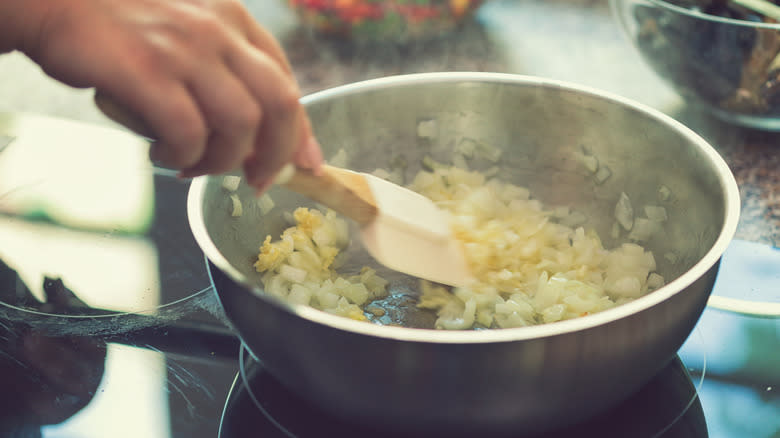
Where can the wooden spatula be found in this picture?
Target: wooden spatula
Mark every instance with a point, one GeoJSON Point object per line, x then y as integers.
{"type": "Point", "coordinates": [401, 229]}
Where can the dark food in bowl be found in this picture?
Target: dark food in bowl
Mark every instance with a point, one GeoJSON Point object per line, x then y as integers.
{"type": "Point", "coordinates": [719, 54]}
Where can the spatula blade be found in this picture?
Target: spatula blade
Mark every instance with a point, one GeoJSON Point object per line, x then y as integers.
{"type": "Point", "coordinates": [412, 235]}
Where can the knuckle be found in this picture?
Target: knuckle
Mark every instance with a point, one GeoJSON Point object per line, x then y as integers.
{"type": "Point", "coordinates": [288, 100]}
{"type": "Point", "coordinates": [248, 117]}
{"type": "Point", "coordinates": [235, 10]}
{"type": "Point", "coordinates": [206, 23]}
{"type": "Point", "coordinates": [241, 124]}
{"type": "Point", "coordinates": [186, 146]}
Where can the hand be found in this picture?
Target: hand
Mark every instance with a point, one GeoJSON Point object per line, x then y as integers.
{"type": "Point", "coordinates": [211, 84]}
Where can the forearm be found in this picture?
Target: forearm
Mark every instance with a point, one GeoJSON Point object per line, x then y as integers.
{"type": "Point", "coordinates": [21, 22]}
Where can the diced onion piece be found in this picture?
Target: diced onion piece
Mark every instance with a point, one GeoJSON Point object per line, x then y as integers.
{"type": "Point", "coordinates": [574, 219]}
{"type": "Point", "coordinates": [299, 294]}
{"type": "Point", "coordinates": [643, 229]}
{"type": "Point", "coordinates": [231, 182]}
{"type": "Point", "coordinates": [671, 257]}
{"type": "Point", "coordinates": [291, 274]}
{"type": "Point", "coordinates": [460, 322]}
{"type": "Point", "coordinates": [654, 281]}
{"type": "Point", "coordinates": [431, 164]}
{"type": "Point", "coordinates": [357, 293]}
{"type": "Point", "coordinates": [266, 203]}
{"type": "Point", "coordinates": [664, 193]}
{"type": "Point", "coordinates": [237, 209]}
{"type": "Point", "coordinates": [590, 162]}
{"type": "Point", "coordinates": [460, 162]}
{"type": "Point", "coordinates": [427, 129]}
{"type": "Point", "coordinates": [466, 147]}
{"type": "Point", "coordinates": [553, 313]}
{"type": "Point", "coordinates": [624, 212]}
{"type": "Point", "coordinates": [602, 174]}
{"type": "Point", "coordinates": [656, 213]}
{"type": "Point", "coordinates": [489, 152]}
{"type": "Point", "coordinates": [327, 299]}
{"type": "Point", "coordinates": [625, 287]}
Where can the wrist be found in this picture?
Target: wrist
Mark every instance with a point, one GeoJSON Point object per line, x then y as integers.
{"type": "Point", "coordinates": [23, 23]}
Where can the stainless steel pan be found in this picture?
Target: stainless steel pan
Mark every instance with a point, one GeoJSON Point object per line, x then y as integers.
{"type": "Point", "coordinates": [417, 380]}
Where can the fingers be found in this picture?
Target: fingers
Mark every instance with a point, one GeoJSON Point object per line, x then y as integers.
{"type": "Point", "coordinates": [170, 112]}
{"type": "Point", "coordinates": [213, 103]}
{"type": "Point", "coordinates": [233, 116]}
{"type": "Point", "coordinates": [255, 34]}
{"type": "Point", "coordinates": [284, 129]}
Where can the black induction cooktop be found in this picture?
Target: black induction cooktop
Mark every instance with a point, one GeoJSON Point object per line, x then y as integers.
{"type": "Point", "coordinates": [112, 329]}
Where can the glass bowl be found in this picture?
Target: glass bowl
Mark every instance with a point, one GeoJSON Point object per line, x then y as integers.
{"type": "Point", "coordinates": [725, 61]}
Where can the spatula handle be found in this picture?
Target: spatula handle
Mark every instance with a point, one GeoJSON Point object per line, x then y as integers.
{"type": "Point", "coordinates": [342, 190]}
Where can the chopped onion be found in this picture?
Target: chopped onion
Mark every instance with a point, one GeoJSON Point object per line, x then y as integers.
{"type": "Point", "coordinates": [656, 213]}
{"type": "Point", "coordinates": [488, 152]}
{"type": "Point", "coordinates": [624, 212]}
{"type": "Point", "coordinates": [427, 129]}
{"type": "Point", "coordinates": [431, 164]}
{"type": "Point", "coordinates": [231, 182]}
{"type": "Point", "coordinates": [460, 162]}
{"type": "Point", "coordinates": [643, 229]}
{"type": "Point", "coordinates": [266, 203]}
{"type": "Point", "coordinates": [291, 274]}
{"type": "Point", "coordinates": [664, 193]}
{"type": "Point", "coordinates": [574, 219]}
{"type": "Point", "coordinates": [590, 162]}
{"type": "Point", "coordinates": [237, 209]}
{"type": "Point", "coordinates": [602, 174]}
{"type": "Point", "coordinates": [530, 263]}
{"type": "Point", "coordinates": [654, 281]}
{"type": "Point", "coordinates": [299, 294]}
{"type": "Point", "coordinates": [466, 147]}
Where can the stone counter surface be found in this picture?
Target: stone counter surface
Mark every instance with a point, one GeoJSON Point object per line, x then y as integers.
{"type": "Point", "coordinates": [571, 40]}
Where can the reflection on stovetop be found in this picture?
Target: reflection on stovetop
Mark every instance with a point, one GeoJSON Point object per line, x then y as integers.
{"type": "Point", "coordinates": [168, 374]}
{"type": "Point", "coordinates": [63, 270]}
{"type": "Point", "coordinates": [83, 386]}
{"type": "Point", "coordinates": [258, 405]}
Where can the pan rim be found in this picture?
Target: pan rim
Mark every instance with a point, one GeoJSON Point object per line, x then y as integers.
{"type": "Point", "coordinates": [728, 187]}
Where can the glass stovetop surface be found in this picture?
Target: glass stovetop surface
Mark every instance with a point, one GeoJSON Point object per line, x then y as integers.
{"type": "Point", "coordinates": [112, 329]}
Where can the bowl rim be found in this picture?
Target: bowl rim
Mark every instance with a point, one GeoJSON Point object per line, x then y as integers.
{"type": "Point", "coordinates": [709, 17]}
{"type": "Point", "coordinates": [727, 181]}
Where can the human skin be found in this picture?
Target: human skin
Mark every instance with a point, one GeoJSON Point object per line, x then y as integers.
{"type": "Point", "coordinates": [213, 86]}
